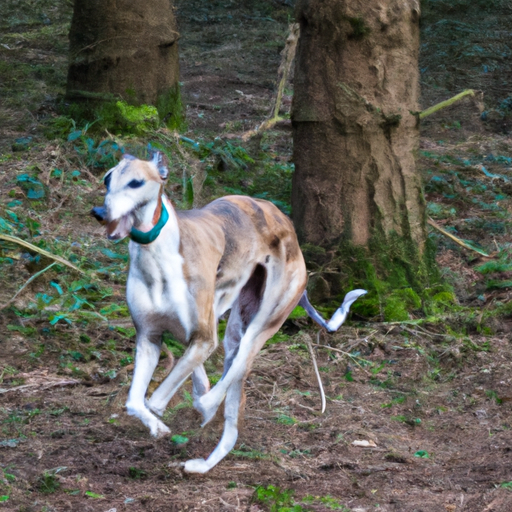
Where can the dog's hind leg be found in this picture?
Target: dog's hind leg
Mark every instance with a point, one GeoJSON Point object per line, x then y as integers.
{"type": "Point", "coordinates": [146, 359]}
{"type": "Point", "coordinates": [229, 435]}
{"type": "Point", "coordinates": [231, 412]}
{"type": "Point", "coordinates": [237, 368]}
{"type": "Point", "coordinates": [262, 322]}
{"type": "Point", "coordinates": [239, 332]}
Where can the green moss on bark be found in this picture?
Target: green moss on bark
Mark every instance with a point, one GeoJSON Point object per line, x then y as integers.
{"type": "Point", "coordinates": [170, 108]}
{"type": "Point", "coordinates": [110, 112]}
{"type": "Point", "coordinates": [359, 27]}
{"type": "Point", "coordinates": [401, 283]}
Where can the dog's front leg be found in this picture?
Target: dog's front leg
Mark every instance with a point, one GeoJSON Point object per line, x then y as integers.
{"type": "Point", "coordinates": [194, 357]}
{"type": "Point", "coordinates": [200, 382]}
{"type": "Point", "coordinates": [146, 360]}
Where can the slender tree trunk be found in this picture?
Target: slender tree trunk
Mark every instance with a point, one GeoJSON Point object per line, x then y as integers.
{"type": "Point", "coordinates": [354, 124]}
{"type": "Point", "coordinates": [124, 49]}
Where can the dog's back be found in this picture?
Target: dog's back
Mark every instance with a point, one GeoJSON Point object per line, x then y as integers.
{"type": "Point", "coordinates": [233, 234]}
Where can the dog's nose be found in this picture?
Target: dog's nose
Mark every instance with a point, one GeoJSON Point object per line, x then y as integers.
{"type": "Point", "coordinates": [99, 213]}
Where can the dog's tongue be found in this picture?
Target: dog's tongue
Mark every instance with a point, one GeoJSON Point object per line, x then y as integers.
{"type": "Point", "coordinates": [120, 228]}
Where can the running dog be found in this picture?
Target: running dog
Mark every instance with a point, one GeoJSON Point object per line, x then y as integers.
{"type": "Point", "coordinates": [187, 268]}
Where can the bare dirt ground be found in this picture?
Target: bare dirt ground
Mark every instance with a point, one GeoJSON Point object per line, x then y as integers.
{"type": "Point", "coordinates": [406, 409]}
{"type": "Point", "coordinates": [431, 402]}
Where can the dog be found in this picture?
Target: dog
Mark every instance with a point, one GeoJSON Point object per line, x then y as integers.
{"type": "Point", "coordinates": [188, 268]}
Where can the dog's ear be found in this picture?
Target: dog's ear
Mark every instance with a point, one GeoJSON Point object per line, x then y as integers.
{"type": "Point", "coordinates": [160, 161]}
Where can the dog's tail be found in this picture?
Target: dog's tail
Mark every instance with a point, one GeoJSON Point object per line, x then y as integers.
{"type": "Point", "coordinates": [340, 314]}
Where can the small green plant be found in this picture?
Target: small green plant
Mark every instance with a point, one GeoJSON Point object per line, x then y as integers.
{"type": "Point", "coordinates": [328, 501]}
{"type": "Point", "coordinates": [283, 419]}
{"type": "Point", "coordinates": [176, 347]}
{"type": "Point", "coordinates": [297, 453]}
{"type": "Point", "coordinates": [7, 370]}
{"type": "Point", "coordinates": [48, 482]}
{"type": "Point", "coordinates": [136, 473]}
{"type": "Point", "coordinates": [279, 337]}
{"type": "Point", "coordinates": [94, 495]}
{"type": "Point", "coordinates": [140, 119]}
{"type": "Point", "coordinates": [276, 499]}
{"type": "Point", "coordinates": [101, 154]}
{"type": "Point", "coordinates": [249, 453]}
{"type": "Point", "coordinates": [6, 478]}
{"type": "Point", "coordinates": [187, 403]}
{"type": "Point", "coordinates": [395, 401]}
{"type": "Point", "coordinates": [179, 440]}
{"type": "Point", "coordinates": [492, 395]}
{"type": "Point", "coordinates": [413, 422]}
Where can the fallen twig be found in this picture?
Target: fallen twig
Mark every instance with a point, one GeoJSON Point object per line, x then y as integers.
{"type": "Point", "coordinates": [456, 239]}
{"type": "Point", "coordinates": [446, 103]}
{"type": "Point", "coordinates": [420, 330]}
{"type": "Point", "coordinates": [317, 373]}
{"type": "Point", "coordinates": [327, 347]}
{"type": "Point", "coordinates": [32, 247]}
{"type": "Point", "coordinates": [69, 382]}
{"type": "Point", "coordinates": [35, 276]}
{"type": "Point", "coordinates": [361, 340]}
{"type": "Point", "coordinates": [282, 74]}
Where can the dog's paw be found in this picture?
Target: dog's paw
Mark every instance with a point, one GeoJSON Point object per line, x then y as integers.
{"type": "Point", "coordinates": [196, 466]}
{"type": "Point", "coordinates": [159, 429]}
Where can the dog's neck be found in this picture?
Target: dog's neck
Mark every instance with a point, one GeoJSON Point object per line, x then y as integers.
{"type": "Point", "coordinates": [149, 216]}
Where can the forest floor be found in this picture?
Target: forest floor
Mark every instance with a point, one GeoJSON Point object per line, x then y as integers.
{"type": "Point", "coordinates": [419, 412]}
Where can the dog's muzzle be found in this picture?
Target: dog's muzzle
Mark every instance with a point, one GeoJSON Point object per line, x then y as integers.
{"type": "Point", "coordinates": [99, 213]}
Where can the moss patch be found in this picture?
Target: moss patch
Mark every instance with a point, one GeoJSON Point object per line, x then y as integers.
{"type": "Point", "coordinates": [359, 27]}
{"type": "Point", "coordinates": [401, 283]}
{"type": "Point", "coordinates": [115, 115]}
{"type": "Point", "coordinates": [125, 117]}
{"type": "Point", "coordinates": [170, 108]}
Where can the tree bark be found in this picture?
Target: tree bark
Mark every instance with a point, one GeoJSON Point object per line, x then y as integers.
{"type": "Point", "coordinates": [123, 49]}
{"type": "Point", "coordinates": [355, 123]}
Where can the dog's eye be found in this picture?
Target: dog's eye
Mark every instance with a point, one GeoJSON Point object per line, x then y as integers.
{"type": "Point", "coordinates": [136, 183]}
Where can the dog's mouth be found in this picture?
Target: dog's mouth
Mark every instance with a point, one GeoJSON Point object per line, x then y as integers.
{"type": "Point", "coordinates": [120, 228]}
{"type": "Point", "coordinates": [116, 229]}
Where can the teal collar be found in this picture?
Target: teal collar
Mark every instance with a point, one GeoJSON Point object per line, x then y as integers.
{"type": "Point", "coordinates": [146, 237]}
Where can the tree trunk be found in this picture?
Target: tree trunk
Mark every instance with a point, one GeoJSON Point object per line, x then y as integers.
{"type": "Point", "coordinates": [356, 192]}
{"type": "Point", "coordinates": [125, 50]}
{"type": "Point", "coordinates": [354, 124]}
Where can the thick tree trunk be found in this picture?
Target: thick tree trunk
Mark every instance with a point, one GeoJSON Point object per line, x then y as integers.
{"type": "Point", "coordinates": [354, 124]}
{"type": "Point", "coordinates": [124, 49]}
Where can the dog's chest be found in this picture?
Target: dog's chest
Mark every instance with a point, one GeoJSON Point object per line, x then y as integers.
{"type": "Point", "coordinates": [157, 290]}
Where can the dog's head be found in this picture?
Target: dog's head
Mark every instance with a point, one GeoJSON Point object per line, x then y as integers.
{"type": "Point", "coordinates": [131, 184]}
